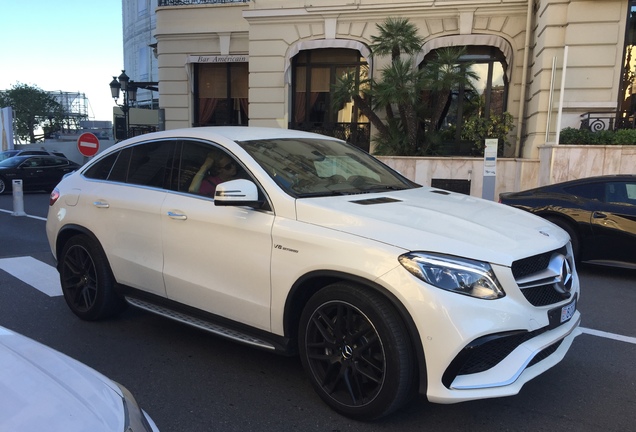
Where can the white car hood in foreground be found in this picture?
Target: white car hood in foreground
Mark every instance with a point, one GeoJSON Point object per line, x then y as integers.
{"type": "Point", "coordinates": [426, 219]}
{"type": "Point", "coordinates": [44, 390]}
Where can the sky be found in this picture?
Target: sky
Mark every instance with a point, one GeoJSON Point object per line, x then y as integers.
{"type": "Point", "coordinates": [67, 45]}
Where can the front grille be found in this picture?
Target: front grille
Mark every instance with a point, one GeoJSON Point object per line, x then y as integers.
{"type": "Point", "coordinates": [527, 266]}
{"type": "Point", "coordinates": [538, 291]}
{"type": "Point", "coordinates": [543, 295]}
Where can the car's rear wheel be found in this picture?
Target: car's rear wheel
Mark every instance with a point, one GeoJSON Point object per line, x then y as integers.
{"type": "Point", "coordinates": [3, 186]}
{"type": "Point", "coordinates": [574, 237]}
{"type": "Point", "coordinates": [87, 281]}
{"type": "Point", "coordinates": [356, 351]}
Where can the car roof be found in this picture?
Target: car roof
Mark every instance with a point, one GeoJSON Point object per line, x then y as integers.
{"type": "Point", "coordinates": [234, 133]}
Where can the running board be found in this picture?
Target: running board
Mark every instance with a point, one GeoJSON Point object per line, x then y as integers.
{"type": "Point", "coordinates": [199, 323]}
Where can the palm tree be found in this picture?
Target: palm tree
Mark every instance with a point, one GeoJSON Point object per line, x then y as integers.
{"type": "Point", "coordinates": [400, 88]}
{"type": "Point", "coordinates": [442, 75]}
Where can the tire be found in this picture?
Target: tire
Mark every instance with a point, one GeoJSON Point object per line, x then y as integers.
{"type": "Point", "coordinates": [3, 186]}
{"type": "Point", "coordinates": [574, 237]}
{"type": "Point", "coordinates": [87, 281]}
{"type": "Point", "coordinates": [356, 352]}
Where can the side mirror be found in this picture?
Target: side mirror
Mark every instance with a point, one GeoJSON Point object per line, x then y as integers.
{"type": "Point", "coordinates": [237, 193]}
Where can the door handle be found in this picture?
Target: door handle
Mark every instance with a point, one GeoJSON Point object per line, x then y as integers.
{"type": "Point", "coordinates": [101, 204]}
{"type": "Point", "coordinates": [599, 215]}
{"type": "Point", "coordinates": [177, 216]}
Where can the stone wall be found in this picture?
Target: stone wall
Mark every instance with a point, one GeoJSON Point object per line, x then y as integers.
{"type": "Point", "coordinates": [556, 163]}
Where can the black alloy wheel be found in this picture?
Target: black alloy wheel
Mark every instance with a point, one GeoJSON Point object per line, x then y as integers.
{"type": "Point", "coordinates": [356, 351]}
{"type": "Point", "coordinates": [87, 281]}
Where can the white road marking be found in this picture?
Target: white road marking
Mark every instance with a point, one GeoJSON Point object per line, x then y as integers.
{"type": "Point", "coordinates": [39, 275]}
{"type": "Point", "coordinates": [33, 217]}
{"type": "Point", "coordinates": [628, 339]}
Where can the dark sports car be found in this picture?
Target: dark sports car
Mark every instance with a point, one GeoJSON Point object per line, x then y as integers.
{"type": "Point", "coordinates": [37, 172]}
{"type": "Point", "coordinates": [599, 213]}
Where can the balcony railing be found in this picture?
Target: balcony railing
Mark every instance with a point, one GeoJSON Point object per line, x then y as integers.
{"type": "Point", "coordinates": [197, 2]}
{"type": "Point", "coordinates": [610, 120]}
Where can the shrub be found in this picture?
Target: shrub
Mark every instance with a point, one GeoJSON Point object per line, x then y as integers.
{"type": "Point", "coordinates": [604, 137]}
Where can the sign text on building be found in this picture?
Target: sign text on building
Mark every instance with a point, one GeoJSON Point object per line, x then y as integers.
{"type": "Point", "coordinates": [219, 59]}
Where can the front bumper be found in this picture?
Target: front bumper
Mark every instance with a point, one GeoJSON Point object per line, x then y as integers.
{"type": "Point", "coordinates": [516, 340]}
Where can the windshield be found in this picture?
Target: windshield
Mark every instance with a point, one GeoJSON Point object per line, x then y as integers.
{"type": "Point", "coordinates": [7, 154]}
{"type": "Point", "coordinates": [316, 167]}
{"type": "Point", "coordinates": [11, 162]}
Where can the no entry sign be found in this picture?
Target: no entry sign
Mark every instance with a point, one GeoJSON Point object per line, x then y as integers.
{"type": "Point", "coordinates": [88, 144]}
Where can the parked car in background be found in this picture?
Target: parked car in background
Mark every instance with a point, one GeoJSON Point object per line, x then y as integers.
{"type": "Point", "coordinates": [11, 153]}
{"type": "Point", "coordinates": [300, 243]}
{"type": "Point", "coordinates": [599, 214]}
{"type": "Point", "coordinates": [45, 390]}
{"type": "Point", "coordinates": [39, 172]}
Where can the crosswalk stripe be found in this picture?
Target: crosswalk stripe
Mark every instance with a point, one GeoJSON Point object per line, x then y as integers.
{"type": "Point", "coordinates": [35, 273]}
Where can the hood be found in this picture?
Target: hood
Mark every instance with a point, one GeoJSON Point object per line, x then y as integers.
{"type": "Point", "coordinates": [42, 389]}
{"type": "Point", "coordinates": [427, 219]}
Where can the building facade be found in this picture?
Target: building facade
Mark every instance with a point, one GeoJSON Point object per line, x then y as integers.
{"type": "Point", "coordinates": [140, 60]}
{"type": "Point", "coordinates": [273, 62]}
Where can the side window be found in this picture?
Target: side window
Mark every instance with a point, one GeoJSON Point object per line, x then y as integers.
{"type": "Point", "coordinates": [148, 164]}
{"type": "Point", "coordinates": [617, 193]}
{"type": "Point", "coordinates": [54, 161]}
{"type": "Point", "coordinates": [33, 162]}
{"type": "Point", "coordinates": [631, 192]}
{"type": "Point", "coordinates": [203, 166]}
{"type": "Point", "coordinates": [593, 191]}
{"type": "Point", "coordinates": [151, 164]}
{"type": "Point", "coordinates": [102, 168]}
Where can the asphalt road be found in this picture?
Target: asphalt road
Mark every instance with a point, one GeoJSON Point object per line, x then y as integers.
{"type": "Point", "coordinates": [188, 380]}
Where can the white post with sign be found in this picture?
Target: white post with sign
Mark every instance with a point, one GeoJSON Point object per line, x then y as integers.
{"type": "Point", "coordinates": [490, 169]}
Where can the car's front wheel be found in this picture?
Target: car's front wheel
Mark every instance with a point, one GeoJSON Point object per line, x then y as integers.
{"type": "Point", "coordinates": [356, 351]}
{"type": "Point", "coordinates": [87, 281]}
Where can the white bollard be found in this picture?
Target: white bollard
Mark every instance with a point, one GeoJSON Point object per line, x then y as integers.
{"type": "Point", "coordinates": [18, 198]}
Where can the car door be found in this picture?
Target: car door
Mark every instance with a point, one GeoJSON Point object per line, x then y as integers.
{"type": "Point", "coordinates": [216, 258]}
{"type": "Point", "coordinates": [34, 173]}
{"type": "Point", "coordinates": [614, 223]}
{"type": "Point", "coordinates": [54, 169]}
{"type": "Point", "coordinates": [122, 207]}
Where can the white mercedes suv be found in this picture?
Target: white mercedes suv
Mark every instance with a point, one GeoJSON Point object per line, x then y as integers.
{"type": "Point", "coordinates": [302, 244]}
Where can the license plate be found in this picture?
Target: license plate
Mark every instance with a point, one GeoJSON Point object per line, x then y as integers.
{"type": "Point", "coordinates": [567, 311]}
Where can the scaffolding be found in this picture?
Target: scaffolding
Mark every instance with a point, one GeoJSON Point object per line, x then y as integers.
{"type": "Point", "coordinates": [74, 108]}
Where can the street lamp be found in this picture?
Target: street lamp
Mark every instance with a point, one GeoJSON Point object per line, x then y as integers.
{"type": "Point", "coordinates": [129, 88]}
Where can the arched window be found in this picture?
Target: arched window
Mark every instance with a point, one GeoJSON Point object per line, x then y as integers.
{"type": "Point", "coordinates": [484, 96]}
{"type": "Point", "coordinates": [314, 73]}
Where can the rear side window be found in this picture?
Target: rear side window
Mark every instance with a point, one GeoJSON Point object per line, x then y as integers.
{"type": "Point", "coordinates": [151, 164]}
{"type": "Point", "coordinates": [593, 191]}
{"type": "Point", "coordinates": [148, 164]}
{"type": "Point", "coordinates": [102, 168]}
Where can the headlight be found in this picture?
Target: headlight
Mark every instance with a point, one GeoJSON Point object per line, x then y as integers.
{"type": "Point", "coordinates": [135, 421]}
{"type": "Point", "coordinates": [459, 275]}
